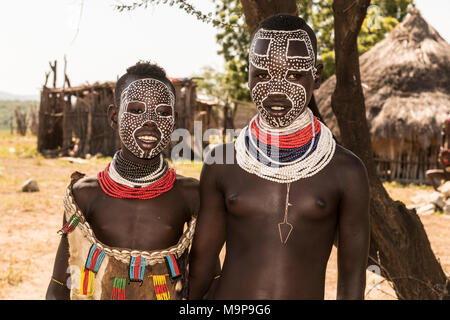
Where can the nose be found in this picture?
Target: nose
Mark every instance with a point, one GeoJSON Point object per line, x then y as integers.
{"type": "Point", "coordinates": [149, 124]}
{"type": "Point", "coordinates": [277, 96]}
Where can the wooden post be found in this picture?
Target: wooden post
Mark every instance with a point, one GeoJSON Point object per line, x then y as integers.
{"type": "Point", "coordinates": [66, 78]}
{"type": "Point", "coordinates": [107, 134]}
{"type": "Point", "coordinates": [87, 143]}
{"type": "Point", "coordinates": [53, 68]}
{"type": "Point", "coordinates": [41, 114]}
{"type": "Point", "coordinates": [187, 107]}
{"type": "Point", "coordinates": [179, 105]}
{"type": "Point", "coordinates": [66, 123]}
{"type": "Point", "coordinates": [192, 104]}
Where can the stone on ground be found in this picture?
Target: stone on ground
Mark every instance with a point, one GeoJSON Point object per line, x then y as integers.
{"type": "Point", "coordinates": [438, 199]}
{"type": "Point", "coordinates": [30, 185]}
{"type": "Point", "coordinates": [445, 189]}
{"type": "Point", "coordinates": [426, 209]}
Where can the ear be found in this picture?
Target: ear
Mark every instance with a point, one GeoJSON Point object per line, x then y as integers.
{"type": "Point", "coordinates": [318, 78]}
{"type": "Point", "coordinates": [175, 117]}
{"type": "Point", "coordinates": [113, 114]}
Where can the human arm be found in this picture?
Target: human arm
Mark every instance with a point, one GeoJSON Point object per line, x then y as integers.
{"type": "Point", "coordinates": [209, 236]}
{"type": "Point", "coordinates": [59, 290]}
{"type": "Point", "coordinates": [353, 230]}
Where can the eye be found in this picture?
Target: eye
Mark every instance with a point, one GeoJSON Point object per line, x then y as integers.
{"type": "Point", "coordinates": [136, 107]}
{"type": "Point", "coordinates": [294, 76]}
{"type": "Point", "coordinates": [164, 111]}
{"type": "Point", "coordinates": [263, 76]}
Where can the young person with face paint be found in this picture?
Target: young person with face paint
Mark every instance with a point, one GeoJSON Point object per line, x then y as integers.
{"type": "Point", "coordinates": [290, 192]}
{"type": "Point", "coordinates": [123, 228]}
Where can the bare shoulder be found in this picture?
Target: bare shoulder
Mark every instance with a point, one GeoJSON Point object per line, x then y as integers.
{"type": "Point", "coordinates": [85, 191]}
{"type": "Point", "coordinates": [349, 168]}
{"type": "Point", "coordinates": [187, 183]}
{"type": "Point", "coordinates": [348, 161]}
{"type": "Point", "coordinates": [219, 155]}
{"type": "Point", "coordinates": [190, 190]}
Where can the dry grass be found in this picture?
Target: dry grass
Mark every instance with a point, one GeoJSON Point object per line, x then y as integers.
{"type": "Point", "coordinates": [28, 240]}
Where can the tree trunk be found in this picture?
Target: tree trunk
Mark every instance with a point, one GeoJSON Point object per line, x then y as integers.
{"type": "Point", "coordinates": [34, 121]}
{"type": "Point", "coordinates": [21, 121]}
{"type": "Point", "coordinates": [11, 125]}
{"type": "Point", "coordinates": [228, 120]}
{"type": "Point", "coordinates": [257, 10]}
{"type": "Point", "coordinates": [398, 239]}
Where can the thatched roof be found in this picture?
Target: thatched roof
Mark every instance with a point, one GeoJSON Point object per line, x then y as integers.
{"type": "Point", "coordinates": [406, 83]}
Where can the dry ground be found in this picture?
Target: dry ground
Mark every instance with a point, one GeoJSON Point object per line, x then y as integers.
{"type": "Point", "coordinates": [29, 221]}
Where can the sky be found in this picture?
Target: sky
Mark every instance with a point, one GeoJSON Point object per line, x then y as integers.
{"type": "Point", "coordinates": [32, 33]}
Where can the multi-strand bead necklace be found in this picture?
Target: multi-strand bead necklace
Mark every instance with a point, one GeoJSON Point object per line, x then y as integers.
{"type": "Point", "coordinates": [126, 179]}
{"type": "Point", "coordinates": [288, 154]}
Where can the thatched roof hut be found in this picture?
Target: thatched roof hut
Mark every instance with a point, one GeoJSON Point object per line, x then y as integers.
{"type": "Point", "coordinates": [406, 83]}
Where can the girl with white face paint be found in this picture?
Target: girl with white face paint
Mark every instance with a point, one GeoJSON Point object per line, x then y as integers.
{"type": "Point", "coordinates": [291, 191]}
{"type": "Point", "coordinates": [280, 55]}
{"type": "Point", "coordinates": [146, 117]}
{"type": "Point", "coordinates": [135, 213]}
{"type": "Point", "coordinates": [285, 141]}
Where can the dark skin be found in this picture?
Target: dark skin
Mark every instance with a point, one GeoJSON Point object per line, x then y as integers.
{"type": "Point", "coordinates": [244, 210]}
{"type": "Point", "coordinates": [129, 223]}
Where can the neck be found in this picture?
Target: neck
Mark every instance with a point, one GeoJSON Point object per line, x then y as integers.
{"type": "Point", "coordinates": [303, 120]}
{"type": "Point", "coordinates": [127, 155]}
{"type": "Point", "coordinates": [137, 170]}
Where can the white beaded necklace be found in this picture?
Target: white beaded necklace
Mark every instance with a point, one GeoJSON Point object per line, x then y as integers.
{"type": "Point", "coordinates": [298, 169]}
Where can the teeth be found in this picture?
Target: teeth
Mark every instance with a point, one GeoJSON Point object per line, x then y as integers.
{"type": "Point", "coordinates": [148, 138]}
{"type": "Point", "coordinates": [277, 108]}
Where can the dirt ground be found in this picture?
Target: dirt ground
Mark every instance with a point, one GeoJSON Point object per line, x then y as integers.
{"type": "Point", "coordinates": [29, 221]}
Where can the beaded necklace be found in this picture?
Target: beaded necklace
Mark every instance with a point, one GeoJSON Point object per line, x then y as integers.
{"type": "Point", "coordinates": [136, 171]}
{"type": "Point", "coordinates": [134, 174]}
{"type": "Point", "coordinates": [285, 156]}
{"type": "Point", "coordinates": [279, 150]}
{"type": "Point", "coordinates": [117, 181]}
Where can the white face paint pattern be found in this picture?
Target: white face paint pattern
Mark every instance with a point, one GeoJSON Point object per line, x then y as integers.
{"type": "Point", "coordinates": [153, 93]}
{"type": "Point", "coordinates": [277, 63]}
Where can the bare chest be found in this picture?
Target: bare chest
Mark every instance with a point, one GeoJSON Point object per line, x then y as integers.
{"type": "Point", "coordinates": [138, 224]}
{"type": "Point", "coordinates": [306, 200]}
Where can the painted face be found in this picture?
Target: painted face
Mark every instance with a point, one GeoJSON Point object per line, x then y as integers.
{"type": "Point", "coordinates": [146, 117]}
{"type": "Point", "coordinates": [281, 75]}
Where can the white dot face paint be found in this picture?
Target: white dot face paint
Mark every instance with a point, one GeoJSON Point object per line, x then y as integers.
{"type": "Point", "coordinates": [144, 131]}
{"type": "Point", "coordinates": [274, 58]}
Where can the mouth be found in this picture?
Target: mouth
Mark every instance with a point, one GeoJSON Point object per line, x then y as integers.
{"type": "Point", "coordinates": [147, 139]}
{"type": "Point", "coordinates": [277, 108]}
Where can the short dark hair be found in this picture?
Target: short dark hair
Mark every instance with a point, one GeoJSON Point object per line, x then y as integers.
{"type": "Point", "coordinates": [287, 22]}
{"type": "Point", "coordinates": [142, 69]}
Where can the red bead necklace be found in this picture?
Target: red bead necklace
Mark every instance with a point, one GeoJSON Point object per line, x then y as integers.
{"type": "Point", "coordinates": [293, 140]}
{"type": "Point", "coordinates": [117, 190]}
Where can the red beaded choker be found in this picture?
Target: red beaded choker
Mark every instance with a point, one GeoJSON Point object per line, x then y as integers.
{"type": "Point", "coordinates": [293, 140]}
{"type": "Point", "coordinates": [117, 190]}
